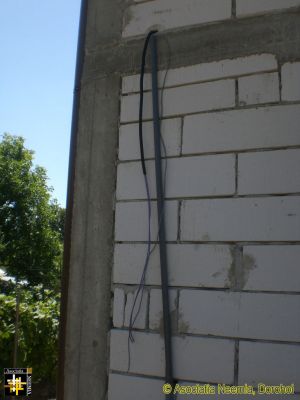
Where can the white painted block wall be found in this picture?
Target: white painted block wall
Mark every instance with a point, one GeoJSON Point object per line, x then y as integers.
{"type": "Point", "coordinates": [232, 134]}
{"type": "Point", "coordinates": [163, 15]}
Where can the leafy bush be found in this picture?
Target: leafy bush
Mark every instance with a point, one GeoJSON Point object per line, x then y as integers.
{"type": "Point", "coordinates": [38, 331]}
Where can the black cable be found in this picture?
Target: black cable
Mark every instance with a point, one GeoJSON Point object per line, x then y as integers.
{"type": "Point", "coordinates": [141, 287]}
{"type": "Point", "coordinates": [161, 228]}
{"type": "Point", "coordinates": [140, 291]}
{"type": "Point", "coordinates": [142, 100]}
{"type": "Point", "coordinates": [160, 213]}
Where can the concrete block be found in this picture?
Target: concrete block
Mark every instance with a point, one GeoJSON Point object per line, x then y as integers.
{"type": "Point", "coordinates": [128, 387]}
{"type": "Point", "coordinates": [204, 72]}
{"type": "Point", "coordinates": [146, 347]}
{"type": "Point", "coordinates": [182, 100]}
{"type": "Point", "coordinates": [168, 14]}
{"type": "Point", "coordinates": [131, 221]}
{"type": "Point", "coordinates": [185, 177]}
{"type": "Point", "coordinates": [141, 319]}
{"type": "Point", "coordinates": [290, 78]}
{"type": "Point", "coordinates": [244, 315]}
{"type": "Point", "coordinates": [269, 172]}
{"type": "Point", "coordinates": [256, 219]}
{"type": "Point", "coordinates": [118, 308]}
{"type": "Point", "coordinates": [155, 309]}
{"type": "Point", "coordinates": [195, 358]}
{"type": "Point", "coordinates": [246, 7]}
{"type": "Point", "coordinates": [129, 260]}
{"type": "Point", "coordinates": [195, 265]}
{"type": "Point", "coordinates": [130, 107]}
{"type": "Point", "coordinates": [129, 145]}
{"type": "Point", "coordinates": [257, 89]}
{"type": "Point", "coordinates": [242, 129]}
{"type": "Point", "coordinates": [269, 363]}
{"type": "Point", "coordinates": [269, 316]}
{"type": "Point", "coordinates": [221, 320]}
{"type": "Point", "coordinates": [273, 268]}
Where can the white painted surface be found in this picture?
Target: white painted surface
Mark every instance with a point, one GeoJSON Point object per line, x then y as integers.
{"type": "Point", "coordinates": [204, 72]}
{"type": "Point", "coordinates": [263, 127]}
{"type": "Point", "coordinates": [290, 79]}
{"type": "Point", "coordinates": [168, 14]}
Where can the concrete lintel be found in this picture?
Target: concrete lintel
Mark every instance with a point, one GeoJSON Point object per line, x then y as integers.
{"type": "Point", "coordinates": [277, 33]}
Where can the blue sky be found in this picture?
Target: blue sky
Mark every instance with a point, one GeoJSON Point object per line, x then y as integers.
{"type": "Point", "coordinates": [38, 40]}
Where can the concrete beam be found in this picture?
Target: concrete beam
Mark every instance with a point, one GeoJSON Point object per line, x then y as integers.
{"type": "Point", "coordinates": [278, 34]}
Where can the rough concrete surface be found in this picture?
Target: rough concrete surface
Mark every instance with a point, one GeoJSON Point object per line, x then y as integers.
{"type": "Point", "coordinates": [248, 219]}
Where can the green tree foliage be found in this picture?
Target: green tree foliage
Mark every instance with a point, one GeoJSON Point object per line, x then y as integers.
{"type": "Point", "coordinates": [30, 225]}
{"type": "Point", "coordinates": [39, 316]}
{"type": "Point", "coordinates": [31, 235]}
